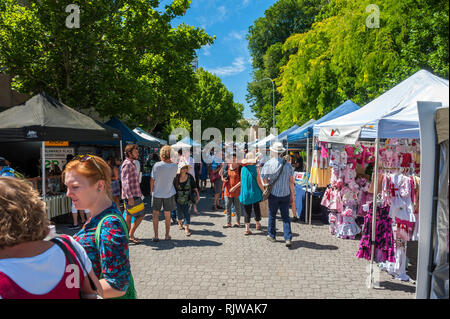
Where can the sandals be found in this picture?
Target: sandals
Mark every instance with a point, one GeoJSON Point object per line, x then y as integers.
{"type": "Point", "coordinates": [155, 240]}
{"type": "Point", "coordinates": [168, 238]}
{"type": "Point", "coordinates": [237, 225]}
{"type": "Point", "coordinates": [135, 240]}
{"type": "Point", "coordinates": [258, 227]}
{"type": "Point", "coordinates": [180, 227]}
{"type": "Point", "coordinates": [247, 232]}
{"type": "Point", "coordinates": [188, 234]}
{"type": "Point", "coordinates": [227, 226]}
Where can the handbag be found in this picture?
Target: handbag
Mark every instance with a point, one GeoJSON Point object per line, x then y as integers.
{"type": "Point", "coordinates": [131, 291]}
{"type": "Point", "coordinates": [268, 188]}
{"type": "Point", "coordinates": [137, 207]}
{"type": "Point", "coordinates": [192, 194]}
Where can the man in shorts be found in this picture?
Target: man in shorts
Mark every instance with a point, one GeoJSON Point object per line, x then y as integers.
{"type": "Point", "coordinates": [131, 190]}
{"type": "Point", "coordinates": [163, 190]}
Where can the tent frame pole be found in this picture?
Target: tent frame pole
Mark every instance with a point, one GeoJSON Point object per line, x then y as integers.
{"type": "Point", "coordinates": [121, 150]}
{"type": "Point", "coordinates": [374, 211]}
{"type": "Point", "coordinates": [43, 170]}
{"type": "Point", "coordinates": [311, 191]}
{"type": "Point", "coordinates": [307, 180]}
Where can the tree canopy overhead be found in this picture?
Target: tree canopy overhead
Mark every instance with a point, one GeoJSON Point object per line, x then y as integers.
{"type": "Point", "coordinates": [266, 38]}
{"type": "Point", "coordinates": [125, 59]}
{"type": "Point", "coordinates": [341, 58]}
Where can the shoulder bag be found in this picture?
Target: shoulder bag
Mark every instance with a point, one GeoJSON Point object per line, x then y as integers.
{"type": "Point", "coordinates": [268, 188]}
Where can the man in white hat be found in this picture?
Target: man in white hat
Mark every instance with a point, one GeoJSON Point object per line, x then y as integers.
{"type": "Point", "coordinates": [281, 174]}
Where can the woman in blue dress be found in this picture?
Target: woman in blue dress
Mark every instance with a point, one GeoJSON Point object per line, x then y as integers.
{"type": "Point", "coordinates": [251, 191]}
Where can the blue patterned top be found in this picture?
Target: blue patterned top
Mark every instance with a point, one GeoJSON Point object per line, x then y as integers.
{"type": "Point", "coordinates": [112, 261]}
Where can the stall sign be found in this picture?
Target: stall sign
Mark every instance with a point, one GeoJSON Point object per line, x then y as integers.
{"type": "Point", "coordinates": [57, 155]}
{"type": "Point", "coordinates": [299, 175]}
{"type": "Point", "coordinates": [56, 143]}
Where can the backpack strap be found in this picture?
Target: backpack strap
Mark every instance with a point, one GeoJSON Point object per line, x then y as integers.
{"type": "Point", "coordinates": [98, 230]}
{"type": "Point", "coordinates": [69, 243]}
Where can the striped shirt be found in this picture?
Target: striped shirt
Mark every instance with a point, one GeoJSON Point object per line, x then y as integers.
{"type": "Point", "coordinates": [270, 171]}
{"type": "Point", "coordinates": [130, 180]}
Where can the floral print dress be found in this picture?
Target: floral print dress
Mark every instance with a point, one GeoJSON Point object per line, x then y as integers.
{"type": "Point", "coordinates": [111, 262]}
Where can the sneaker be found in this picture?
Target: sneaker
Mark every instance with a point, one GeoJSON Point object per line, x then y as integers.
{"type": "Point", "coordinates": [288, 243]}
{"type": "Point", "coordinates": [74, 226]}
{"type": "Point", "coordinates": [271, 239]}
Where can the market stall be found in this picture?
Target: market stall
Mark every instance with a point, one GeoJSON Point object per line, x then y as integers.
{"type": "Point", "coordinates": [43, 118]}
{"type": "Point", "coordinates": [306, 133]}
{"type": "Point", "coordinates": [391, 123]}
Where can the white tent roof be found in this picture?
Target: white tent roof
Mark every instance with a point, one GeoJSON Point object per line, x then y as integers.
{"type": "Point", "coordinates": [394, 113]}
{"type": "Point", "coordinates": [262, 143]}
{"type": "Point", "coordinates": [147, 136]}
{"type": "Point", "coordinates": [180, 144]}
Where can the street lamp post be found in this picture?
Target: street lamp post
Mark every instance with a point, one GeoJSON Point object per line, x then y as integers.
{"type": "Point", "coordinates": [273, 97]}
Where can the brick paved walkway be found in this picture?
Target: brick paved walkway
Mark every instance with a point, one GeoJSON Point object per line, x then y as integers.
{"type": "Point", "coordinates": [223, 263]}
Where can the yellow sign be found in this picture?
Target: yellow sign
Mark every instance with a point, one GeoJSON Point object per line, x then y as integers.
{"type": "Point", "coordinates": [56, 143]}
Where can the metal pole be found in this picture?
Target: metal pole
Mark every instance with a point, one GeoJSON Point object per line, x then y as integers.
{"type": "Point", "coordinates": [273, 98]}
{"type": "Point", "coordinates": [311, 193]}
{"type": "Point", "coordinates": [374, 211]}
{"type": "Point", "coordinates": [43, 170]}
{"type": "Point", "coordinates": [307, 181]}
{"type": "Point", "coordinates": [273, 101]}
{"type": "Point", "coordinates": [121, 150]}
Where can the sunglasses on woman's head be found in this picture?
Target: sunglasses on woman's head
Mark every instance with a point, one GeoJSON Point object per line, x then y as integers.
{"type": "Point", "coordinates": [84, 158]}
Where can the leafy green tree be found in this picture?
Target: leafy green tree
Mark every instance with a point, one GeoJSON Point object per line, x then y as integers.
{"type": "Point", "coordinates": [266, 37]}
{"type": "Point", "coordinates": [341, 58]}
{"type": "Point", "coordinates": [124, 60]}
{"type": "Point", "coordinates": [213, 103]}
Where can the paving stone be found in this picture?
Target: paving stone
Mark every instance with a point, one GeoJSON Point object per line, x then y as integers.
{"type": "Point", "coordinates": [223, 263]}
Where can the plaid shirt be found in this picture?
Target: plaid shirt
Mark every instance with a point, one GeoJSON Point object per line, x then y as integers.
{"type": "Point", "coordinates": [130, 180]}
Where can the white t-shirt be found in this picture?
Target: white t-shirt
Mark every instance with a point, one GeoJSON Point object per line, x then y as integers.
{"type": "Point", "coordinates": [164, 174]}
{"type": "Point", "coordinates": [42, 273]}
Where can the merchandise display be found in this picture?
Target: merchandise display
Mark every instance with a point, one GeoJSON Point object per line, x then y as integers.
{"type": "Point", "coordinates": [349, 196]}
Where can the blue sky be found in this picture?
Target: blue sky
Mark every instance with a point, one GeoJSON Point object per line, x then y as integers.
{"type": "Point", "coordinates": [228, 57]}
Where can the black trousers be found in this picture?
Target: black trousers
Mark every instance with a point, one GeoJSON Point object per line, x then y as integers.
{"type": "Point", "coordinates": [248, 212]}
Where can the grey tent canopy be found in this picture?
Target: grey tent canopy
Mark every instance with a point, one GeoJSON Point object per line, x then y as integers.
{"type": "Point", "coordinates": [43, 118]}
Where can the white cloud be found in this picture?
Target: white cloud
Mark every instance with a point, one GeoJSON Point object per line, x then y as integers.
{"type": "Point", "coordinates": [206, 50]}
{"type": "Point", "coordinates": [236, 35]}
{"type": "Point", "coordinates": [222, 12]}
{"type": "Point", "coordinates": [220, 15]}
{"type": "Point", "coordinates": [236, 67]}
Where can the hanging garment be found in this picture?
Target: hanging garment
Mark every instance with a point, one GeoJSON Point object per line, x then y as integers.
{"type": "Point", "coordinates": [348, 227]}
{"type": "Point", "coordinates": [384, 241]}
{"type": "Point", "coordinates": [332, 220]}
{"type": "Point", "coordinates": [400, 201]}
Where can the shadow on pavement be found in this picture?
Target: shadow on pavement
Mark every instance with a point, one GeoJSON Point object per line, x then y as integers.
{"type": "Point", "coordinates": [206, 232]}
{"type": "Point", "coordinates": [175, 243]}
{"type": "Point", "coordinates": [216, 214]}
{"type": "Point", "coordinates": [306, 244]}
{"type": "Point", "coordinates": [201, 223]}
{"type": "Point", "coordinates": [393, 286]}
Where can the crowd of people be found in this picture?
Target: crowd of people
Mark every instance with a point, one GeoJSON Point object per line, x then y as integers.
{"type": "Point", "coordinates": [98, 188]}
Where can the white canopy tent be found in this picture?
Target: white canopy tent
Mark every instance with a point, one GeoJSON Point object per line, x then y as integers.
{"type": "Point", "coordinates": [149, 137]}
{"type": "Point", "coordinates": [394, 114]}
{"type": "Point", "coordinates": [262, 143]}
{"type": "Point", "coordinates": [391, 115]}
